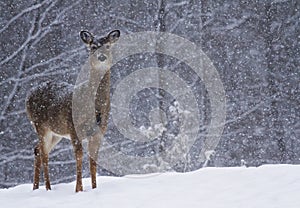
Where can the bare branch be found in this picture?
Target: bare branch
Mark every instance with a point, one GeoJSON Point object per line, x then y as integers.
{"type": "Point", "coordinates": [124, 19]}
{"type": "Point", "coordinates": [177, 4]}
{"type": "Point", "coordinates": [60, 57]}
{"type": "Point", "coordinates": [174, 26]}
{"type": "Point", "coordinates": [16, 85]}
{"type": "Point", "coordinates": [58, 20]}
{"type": "Point", "coordinates": [28, 39]}
{"type": "Point", "coordinates": [20, 14]}
{"type": "Point", "coordinates": [40, 31]}
{"type": "Point", "coordinates": [235, 24]}
{"type": "Point", "coordinates": [15, 113]}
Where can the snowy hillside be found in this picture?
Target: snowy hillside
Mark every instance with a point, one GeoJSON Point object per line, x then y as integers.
{"type": "Point", "coordinates": [267, 186]}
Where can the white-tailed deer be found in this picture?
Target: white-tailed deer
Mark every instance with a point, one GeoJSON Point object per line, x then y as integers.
{"type": "Point", "coordinates": [49, 108]}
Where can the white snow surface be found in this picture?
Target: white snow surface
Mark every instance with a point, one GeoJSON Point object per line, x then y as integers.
{"type": "Point", "coordinates": [266, 186]}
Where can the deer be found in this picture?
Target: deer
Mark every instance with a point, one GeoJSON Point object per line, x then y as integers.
{"type": "Point", "coordinates": [49, 109]}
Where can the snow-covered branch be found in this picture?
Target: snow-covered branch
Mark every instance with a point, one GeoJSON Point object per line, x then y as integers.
{"type": "Point", "coordinates": [20, 14]}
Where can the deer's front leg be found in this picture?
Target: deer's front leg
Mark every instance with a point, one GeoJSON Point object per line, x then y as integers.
{"type": "Point", "coordinates": [93, 170]}
{"type": "Point", "coordinates": [93, 145]}
{"type": "Point", "coordinates": [78, 157]}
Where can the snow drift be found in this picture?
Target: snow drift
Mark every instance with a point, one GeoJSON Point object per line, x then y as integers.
{"type": "Point", "coordinates": [266, 186]}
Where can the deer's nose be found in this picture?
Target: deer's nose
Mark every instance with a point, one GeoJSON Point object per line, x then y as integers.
{"type": "Point", "coordinates": [101, 57]}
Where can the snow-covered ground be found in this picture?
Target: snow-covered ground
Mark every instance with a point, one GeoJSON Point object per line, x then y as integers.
{"type": "Point", "coordinates": [266, 186]}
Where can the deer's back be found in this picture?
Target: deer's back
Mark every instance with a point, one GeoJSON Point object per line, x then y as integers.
{"type": "Point", "coordinates": [50, 106]}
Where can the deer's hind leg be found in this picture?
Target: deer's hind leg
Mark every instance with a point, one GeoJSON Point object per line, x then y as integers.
{"type": "Point", "coordinates": [40, 158]}
{"type": "Point", "coordinates": [37, 166]}
{"type": "Point", "coordinates": [46, 143]}
{"type": "Point", "coordinates": [50, 140]}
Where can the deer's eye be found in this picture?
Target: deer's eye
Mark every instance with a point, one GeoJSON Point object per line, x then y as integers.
{"type": "Point", "coordinates": [101, 57]}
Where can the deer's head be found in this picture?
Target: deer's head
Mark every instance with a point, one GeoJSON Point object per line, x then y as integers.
{"type": "Point", "coordinates": [100, 48]}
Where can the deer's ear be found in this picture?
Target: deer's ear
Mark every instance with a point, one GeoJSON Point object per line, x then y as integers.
{"type": "Point", "coordinates": [114, 35]}
{"type": "Point", "coordinates": [86, 37]}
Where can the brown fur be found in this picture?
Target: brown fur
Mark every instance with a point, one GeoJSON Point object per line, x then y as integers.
{"type": "Point", "coordinates": [49, 108]}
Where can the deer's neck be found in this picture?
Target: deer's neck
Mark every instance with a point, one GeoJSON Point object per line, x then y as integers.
{"type": "Point", "coordinates": [100, 87]}
{"type": "Point", "coordinates": [99, 78]}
